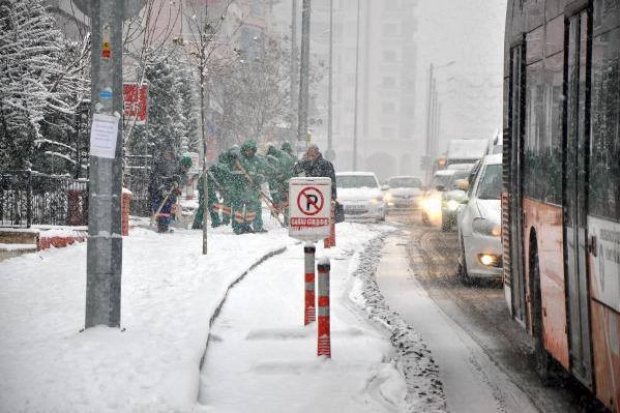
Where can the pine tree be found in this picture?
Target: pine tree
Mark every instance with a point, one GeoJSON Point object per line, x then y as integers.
{"type": "Point", "coordinates": [31, 51]}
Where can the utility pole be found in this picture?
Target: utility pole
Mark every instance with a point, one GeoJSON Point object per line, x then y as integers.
{"type": "Point", "coordinates": [304, 78]}
{"type": "Point", "coordinates": [330, 154]}
{"type": "Point", "coordinates": [357, 64]}
{"type": "Point", "coordinates": [105, 243]}
{"type": "Point", "coordinates": [294, 69]}
{"type": "Point", "coordinates": [429, 111]}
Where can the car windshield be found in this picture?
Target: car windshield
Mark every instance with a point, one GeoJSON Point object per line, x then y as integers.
{"type": "Point", "coordinates": [490, 186]}
{"type": "Point", "coordinates": [405, 182]}
{"type": "Point", "coordinates": [443, 180]}
{"type": "Point", "coordinates": [458, 175]}
{"type": "Point", "coordinates": [356, 181]}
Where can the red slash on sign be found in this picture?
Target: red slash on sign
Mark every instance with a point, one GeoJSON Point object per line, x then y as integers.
{"type": "Point", "coordinates": [310, 201]}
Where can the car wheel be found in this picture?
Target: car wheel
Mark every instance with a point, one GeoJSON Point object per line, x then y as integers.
{"type": "Point", "coordinates": [462, 266]}
{"type": "Point", "coordinates": [445, 223]}
{"type": "Point", "coordinates": [425, 219]}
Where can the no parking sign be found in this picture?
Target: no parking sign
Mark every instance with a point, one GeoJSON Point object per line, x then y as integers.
{"type": "Point", "coordinates": [309, 208]}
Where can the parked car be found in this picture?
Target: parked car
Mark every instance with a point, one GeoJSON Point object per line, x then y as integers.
{"type": "Point", "coordinates": [479, 223]}
{"type": "Point", "coordinates": [453, 197]}
{"type": "Point", "coordinates": [403, 192]}
{"type": "Point", "coordinates": [360, 195]}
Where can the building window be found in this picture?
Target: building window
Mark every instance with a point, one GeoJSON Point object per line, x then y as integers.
{"type": "Point", "coordinates": [389, 56]}
{"type": "Point", "coordinates": [389, 82]}
{"type": "Point", "coordinates": [389, 107]}
{"type": "Point", "coordinates": [388, 132]}
{"type": "Point", "coordinates": [390, 29]}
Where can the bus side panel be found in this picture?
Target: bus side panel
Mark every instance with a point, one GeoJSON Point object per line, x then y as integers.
{"type": "Point", "coordinates": [606, 347]}
{"type": "Point", "coordinates": [604, 265]}
{"type": "Point", "coordinates": [546, 220]}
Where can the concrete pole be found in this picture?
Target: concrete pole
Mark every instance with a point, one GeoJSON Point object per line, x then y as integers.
{"type": "Point", "coordinates": [429, 115]}
{"type": "Point", "coordinates": [105, 244]}
{"type": "Point", "coordinates": [357, 64]}
{"type": "Point", "coordinates": [294, 69]}
{"type": "Point", "coordinates": [304, 78]}
{"type": "Point", "coordinates": [330, 79]}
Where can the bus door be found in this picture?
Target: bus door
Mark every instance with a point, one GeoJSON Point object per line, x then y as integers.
{"type": "Point", "coordinates": [577, 143]}
{"type": "Point", "coordinates": [516, 122]}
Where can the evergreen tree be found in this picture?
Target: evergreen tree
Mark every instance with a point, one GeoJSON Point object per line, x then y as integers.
{"type": "Point", "coordinates": [167, 123]}
{"type": "Point", "coordinates": [31, 51]}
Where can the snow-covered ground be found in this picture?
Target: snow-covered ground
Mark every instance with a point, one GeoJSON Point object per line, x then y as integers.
{"type": "Point", "coordinates": [260, 357]}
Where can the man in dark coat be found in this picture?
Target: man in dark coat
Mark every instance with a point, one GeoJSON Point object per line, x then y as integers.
{"type": "Point", "coordinates": [168, 175]}
{"type": "Point", "coordinates": [314, 165]}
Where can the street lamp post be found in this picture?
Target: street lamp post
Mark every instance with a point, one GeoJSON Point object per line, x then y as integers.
{"type": "Point", "coordinates": [357, 52]}
{"type": "Point", "coordinates": [330, 150]}
{"type": "Point", "coordinates": [431, 117]}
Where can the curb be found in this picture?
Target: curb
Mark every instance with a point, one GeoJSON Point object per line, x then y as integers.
{"type": "Point", "coordinates": [60, 241]}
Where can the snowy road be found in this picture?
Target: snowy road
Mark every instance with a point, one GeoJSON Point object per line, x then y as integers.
{"type": "Point", "coordinates": [472, 382]}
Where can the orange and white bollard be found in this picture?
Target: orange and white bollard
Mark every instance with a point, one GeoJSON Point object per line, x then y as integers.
{"type": "Point", "coordinates": [324, 341]}
{"type": "Point", "coordinates": [331, 240]}
{"type": "Point", "coordinates": [309, 308]}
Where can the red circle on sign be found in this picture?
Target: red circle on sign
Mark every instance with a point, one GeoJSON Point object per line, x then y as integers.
{"type": "Point", "coordinates": [307, 194]}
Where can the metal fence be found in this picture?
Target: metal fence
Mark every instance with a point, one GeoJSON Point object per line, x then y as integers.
{"type": "Point", "coordinates": [137, 176]}
{"type": "Point", "coordinates": [30, 198]}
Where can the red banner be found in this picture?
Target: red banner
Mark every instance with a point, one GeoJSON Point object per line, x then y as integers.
{"type": "Point", "coordinates": [135, 103]}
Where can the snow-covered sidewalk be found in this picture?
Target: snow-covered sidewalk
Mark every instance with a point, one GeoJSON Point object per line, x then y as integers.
{"type": "Point", "coordinates": [170, 293]}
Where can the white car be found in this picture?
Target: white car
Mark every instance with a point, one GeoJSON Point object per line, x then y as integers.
{"type": "Point", "coordinates": [479, 223]}
{"type": "Point", "coordinates": [403, 192]}
{"type": "Point", "coordinates": [360, 195]}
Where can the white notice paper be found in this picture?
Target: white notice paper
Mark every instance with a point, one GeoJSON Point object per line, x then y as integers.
{"type": "Point", "coordinates": [103, 136]}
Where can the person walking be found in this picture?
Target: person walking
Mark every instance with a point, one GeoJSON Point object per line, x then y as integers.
{"type": "Point", "coordinates": [314, 165]}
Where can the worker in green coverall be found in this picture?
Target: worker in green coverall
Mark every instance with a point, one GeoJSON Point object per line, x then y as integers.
{"type": "Point", "coordinates": [220, 181]}
{"type": "Point", "coordinates": [248, 209]}
{"type": "Point", "coordinates": [282, 171]}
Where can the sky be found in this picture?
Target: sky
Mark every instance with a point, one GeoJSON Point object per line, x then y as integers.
{"type": "Point", "coordinates": [260, 357]}
{"type": "Point", "coordinates": [470, 33]}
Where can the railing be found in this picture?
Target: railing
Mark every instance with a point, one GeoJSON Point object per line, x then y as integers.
{"type": "Point", "coordinates": [137, 176]}
{"type": "Point", "coordinates": [31, 198]}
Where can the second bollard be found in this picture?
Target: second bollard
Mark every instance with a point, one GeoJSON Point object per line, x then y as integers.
{"type": "Point", "coordinates": [324, 347]}
{"type": "Point", "coordinates": [309, 308]}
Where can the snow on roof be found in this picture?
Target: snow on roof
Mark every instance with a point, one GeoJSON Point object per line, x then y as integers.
{"type": "Point", "coordinates": [445, 172]}
{"type": "Point", "coordinates": [493, 159]}
{"type": "Point", "coordinates": [357, 173]}
{"type": "Point", "coordinates": [467, 148]}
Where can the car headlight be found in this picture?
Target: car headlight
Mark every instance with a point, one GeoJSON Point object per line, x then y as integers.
{"type": "Point", "coordinates": [432, 205]}
{"type": "Point", "coordinates": [377, 200]}
{"type": "Point", "coordinates": [388, 197]}
{"type": "Point", "coordinates": [486, 227]}
{"type": "Point", "coordinates": [452, 205]}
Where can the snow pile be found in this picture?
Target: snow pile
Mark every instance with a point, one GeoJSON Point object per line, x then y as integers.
{"type": "Point", "coordinates": [413, 358]}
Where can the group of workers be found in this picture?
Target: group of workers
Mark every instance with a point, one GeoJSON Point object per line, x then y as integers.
{"type": "Point", "coordinates": [235, 185]}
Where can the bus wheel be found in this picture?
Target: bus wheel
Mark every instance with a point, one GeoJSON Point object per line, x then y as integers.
{"type": "Point", "coordinates": [543, 359]}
